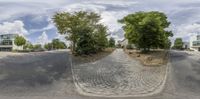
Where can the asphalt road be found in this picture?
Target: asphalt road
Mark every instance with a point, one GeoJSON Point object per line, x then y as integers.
{"type": "Point", "coordinates": [48, 76]}
{"type": "Point", "coordinates": [186, 73]}
{"type": "Point", "coordinates": [36, 74]}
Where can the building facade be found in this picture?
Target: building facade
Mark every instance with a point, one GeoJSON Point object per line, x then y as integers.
{"type": "Point", "coordinates": [7, 42]}
{"type": "Point", "coordinates": [186, 45]}
{"type": "Point", "coordinates": [195, 43]}
{"type": "Point", "coordinates": [124, 43]}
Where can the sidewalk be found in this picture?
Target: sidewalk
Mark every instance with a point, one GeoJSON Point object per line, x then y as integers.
{"type": "Point", "coordinates": [5, 54]}
{"type": "Point", "coordinates": [193, 53]}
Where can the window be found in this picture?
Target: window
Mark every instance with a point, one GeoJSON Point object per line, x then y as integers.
{"type": "Point", "coordinates": [196, 43]}
{"type": "Point", "coordinates": [6, 42]}
{"type": "Point", "coordinates": [198, 37]}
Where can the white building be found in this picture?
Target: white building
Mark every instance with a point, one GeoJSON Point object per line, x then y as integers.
{"type": "Point", "coordinates": [195, 43]}
{"type": "Point", "coordinates": [124, 43]}
{"type": "Point", "coordinates": [7, 42]}
{"type": "Point", "coordinates": [186, 45]}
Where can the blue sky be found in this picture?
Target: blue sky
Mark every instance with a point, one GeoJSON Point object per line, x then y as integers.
{"type": "Point", "coordinates": [32, 18]}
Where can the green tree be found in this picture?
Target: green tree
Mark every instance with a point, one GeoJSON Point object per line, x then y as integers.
{"type": "Point", "coordinates": [86, 43]}
{"type": "Point", "coordinates": [147, 29]}
{"type": "Point", "coordinates": [28, 46]}
{"type": "Point", "coordinates": [37, 47]}
{"type": "Point", "coordinates": [62, 45]}
{"type": "Point", "coordinates": [178, 43]}
{"type": "Point", "coordinates": [48, 46]}
{"type": "Point", "coordinates": [111, 42]}
{"type": "Point", "coordinates": [101, 37]}
{"type": "Point", "coordinates": [74, 24]}
{"type": "Point", "coordinates": [168, 45]}
{"type": "Point", "coordinates": [57, 44]}
{"type": "Point", "coordinates": [84, 30]}
{"type": "Point", "coordinates": [20, 41]}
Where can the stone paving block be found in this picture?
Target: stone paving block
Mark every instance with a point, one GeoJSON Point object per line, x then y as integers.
{"type": "Point", "coordinates": [118, 75]}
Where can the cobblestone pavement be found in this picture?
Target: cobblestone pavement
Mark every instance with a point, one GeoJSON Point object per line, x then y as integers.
{"type": "Point", "coordinates": [118, 75]}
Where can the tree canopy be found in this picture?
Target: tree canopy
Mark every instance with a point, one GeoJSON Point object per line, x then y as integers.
{"type": "Point", "coordinates": [37, 47]}
{"type": "Point", "coordinates": [111, 42]}
{"type": "Point", "coordinates": [83, 29]}
{"type": "Point", "coordinates": [20, 40]}
{"type": "Point", "coordinates": [55, 44]}
{"type": "Point", "coordinates": [147, 29]}
{"type": "Point", "coordinates": [178, 43]}
{"type": "Point", "coordinates": [48, 46]}
{"type": "Point", "coordinates": [101, 37]}
{"type": "Point", "coordinates": [28, 46]}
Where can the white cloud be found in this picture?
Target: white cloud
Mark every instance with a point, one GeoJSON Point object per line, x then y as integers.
{"type": "Point", "coordinates": [110, 19]}
{"type": "Point", "coordinates": [16, 27]}
{"type": "Point", "coordinates": [182, 13]}
{"type": "Point", "coordinates": [48, 27]}
{"type": "Point", "coordinates": [83, 7]}
{"type": "Point", "coordinates": [188, 30]}
{"type": "Point", "coordinates": [121, 3]}
{"type": "Point", "coordinates": [11, 9]}
{"type": "Point", "coordinates": [43, 39]}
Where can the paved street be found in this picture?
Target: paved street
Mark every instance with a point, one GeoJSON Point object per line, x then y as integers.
{"type": "Point", "coordinates": [36, 74]}
{"type": "Point", "coordinates": [186, 73]}
{"type": "Point", "coordinates": [48, 76]}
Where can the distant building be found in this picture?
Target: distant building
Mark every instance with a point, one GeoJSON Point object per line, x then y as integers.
{"type": "Point", "coordinates": [195, 43]}
{"type": "Point", "coordinates": [186, 45]}
{"type": "Point", "coordinates": [7, 42]}
{"type": "Point", "coordinates": [124, 43]}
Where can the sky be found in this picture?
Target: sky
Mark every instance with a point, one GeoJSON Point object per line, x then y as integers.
{"type": "Point", "coordinates": [33, 18]}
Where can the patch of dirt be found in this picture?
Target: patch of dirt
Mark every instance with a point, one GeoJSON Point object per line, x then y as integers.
{"type": "Point", "coordinates": [93, 57]}
{"type": "Point", "coordinates": [152, 58]}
